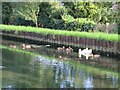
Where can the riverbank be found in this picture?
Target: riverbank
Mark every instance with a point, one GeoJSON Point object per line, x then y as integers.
{"type": "Point", "coordinates": [96, 41]}
{"type": "Point", "coordinates": [45, 31]}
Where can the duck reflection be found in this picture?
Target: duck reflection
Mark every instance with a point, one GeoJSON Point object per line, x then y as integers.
{"type": "Point", "coordinates": [88, 82]}
{"type": "Point", "coordinates": [67, 75]}
{"type": "Point", "coordinates": [56, 74]}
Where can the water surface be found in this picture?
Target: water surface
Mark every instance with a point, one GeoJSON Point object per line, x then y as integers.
{"type": "Point", "coordinates": [24, 70]}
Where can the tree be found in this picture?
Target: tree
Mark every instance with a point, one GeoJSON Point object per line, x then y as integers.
{"type": "Point", "coordinates": [27, 10]}
{"type": "Point", "coordinates": [6, 12]}
{"type": "Point", "coordinates": [50, 15]}
{"type": "Point", "coordinates": [81, 9]}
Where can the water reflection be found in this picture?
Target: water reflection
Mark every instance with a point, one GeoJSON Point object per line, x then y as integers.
{"type": "Point", "coordinates": [27, 71]}
{"type": "Point", "coordinates": [103, 62]}
{"type": "Point", "coordinates": [65, 75]}
{"type": "Point", "coordinates": [88, 82]}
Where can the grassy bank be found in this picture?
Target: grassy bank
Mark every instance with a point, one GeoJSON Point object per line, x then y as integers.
{"type": "Point", "coordinates": [96, 35]}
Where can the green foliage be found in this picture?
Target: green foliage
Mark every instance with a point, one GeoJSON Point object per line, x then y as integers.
{"type": "Point", "coordinates": [6, 12]}
{"type": "Point", "coordinates": [58, 18]}
{"type": "Point", "coordinates": [72, 16]}
{"type": "Point", "coordinates": [50, 16]}
{"type": "Point", "coordinates": [23, 22]}
{"type": "Point", "coordinates": [78, 24]}
{"type": "Point", "coordinates": [97, 11]}
{"type": "Point", "coordinates": [67, 18]}
{"type": "Point", "coordinates": [26, 10]}
{"type": "Point", "coordinates": [87, 25]}
{"type": "Point", "coordinates": [97, 35]}
{"type": "Point", "coordinates": [105, 12]}
{"type": "Point", "coordinates": [81, 9]}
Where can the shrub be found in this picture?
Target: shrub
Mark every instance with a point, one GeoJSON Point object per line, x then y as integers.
{"type": "Point", "coordinates": [23, 22]}
{"type": "Point", "coordinates": [87, 26]}
{"type": "Point", "coordinates": [78, 24]}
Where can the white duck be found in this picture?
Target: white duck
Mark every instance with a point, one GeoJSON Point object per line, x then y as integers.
{"type": "Point", "coordinates": [86, 52]}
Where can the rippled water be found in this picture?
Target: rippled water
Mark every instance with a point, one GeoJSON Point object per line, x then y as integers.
{"type": "Point", "coordinates": [23, 70]}
{"type": "Point", "coordinates": [42, 68]}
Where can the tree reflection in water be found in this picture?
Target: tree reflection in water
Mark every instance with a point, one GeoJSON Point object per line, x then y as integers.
{"type": "Point", "coordinates": [39, 72]}
{"type": "Point", "coordinates": [65, 75]}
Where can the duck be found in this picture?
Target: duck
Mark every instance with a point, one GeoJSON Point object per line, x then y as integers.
{"type": "Point", "coordinates": [95, 56]}
{"type": "Point", "coordinates": [68, 50]}
{"type": "Point", "coordinates": [26, 46]}
{"type": "Point", "coordinates": [61, 48]}
{"type": "Point", "coordinates": [13, 46]}
{"type": "Point", "coordinates": [85, 52]}
{"type": "Point", "coordinates": [47, 45]}
{"type": "Point", "coordinates": [62, 58]}
{"type": "Point", "coordinates": [35, 46]}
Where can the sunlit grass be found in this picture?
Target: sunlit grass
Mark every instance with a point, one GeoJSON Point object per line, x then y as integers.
{"type": "Point", "coordinates": [93, 35]}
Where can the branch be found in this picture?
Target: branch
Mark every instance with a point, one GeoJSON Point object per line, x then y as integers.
{"type": "Point", "coordinates": [24, 15]}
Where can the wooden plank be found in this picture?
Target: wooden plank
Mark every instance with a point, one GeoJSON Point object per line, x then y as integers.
{"type": "Point", "coordinates": [102, 45]}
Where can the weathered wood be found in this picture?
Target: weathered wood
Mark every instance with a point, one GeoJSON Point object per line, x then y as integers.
{"type": "Point", "coordinates": [102, 45]}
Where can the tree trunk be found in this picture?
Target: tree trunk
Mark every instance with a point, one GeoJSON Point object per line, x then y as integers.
{"type": "Point", "coordinates": [36, 23]}
{"type": "Point", "coordinates": [37, 17]}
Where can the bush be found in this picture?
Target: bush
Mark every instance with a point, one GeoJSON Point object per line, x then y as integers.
{"type": "Point", "coordinates": [78, 24]}
{"type": "Point", "coordinates": [87, 26]}
{"type": "Point", "coordinates": [23, 22]}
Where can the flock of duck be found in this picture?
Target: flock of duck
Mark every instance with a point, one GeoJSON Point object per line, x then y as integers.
{"type": "Point", "coordinates": [24, 46]}
{"type": "Point", "coordinates": [85, 52]}
{"type": "Point", "coordinates": [68, 50]}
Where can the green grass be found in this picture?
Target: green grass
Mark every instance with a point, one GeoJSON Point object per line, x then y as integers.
{"type": "Point", "coordinates": [95, 70]}
{"type": "Point", "coordinates": [96, 35]}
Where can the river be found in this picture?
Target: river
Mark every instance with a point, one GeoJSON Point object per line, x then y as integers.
{"type": "Point", "coordinates": [42, 68]}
